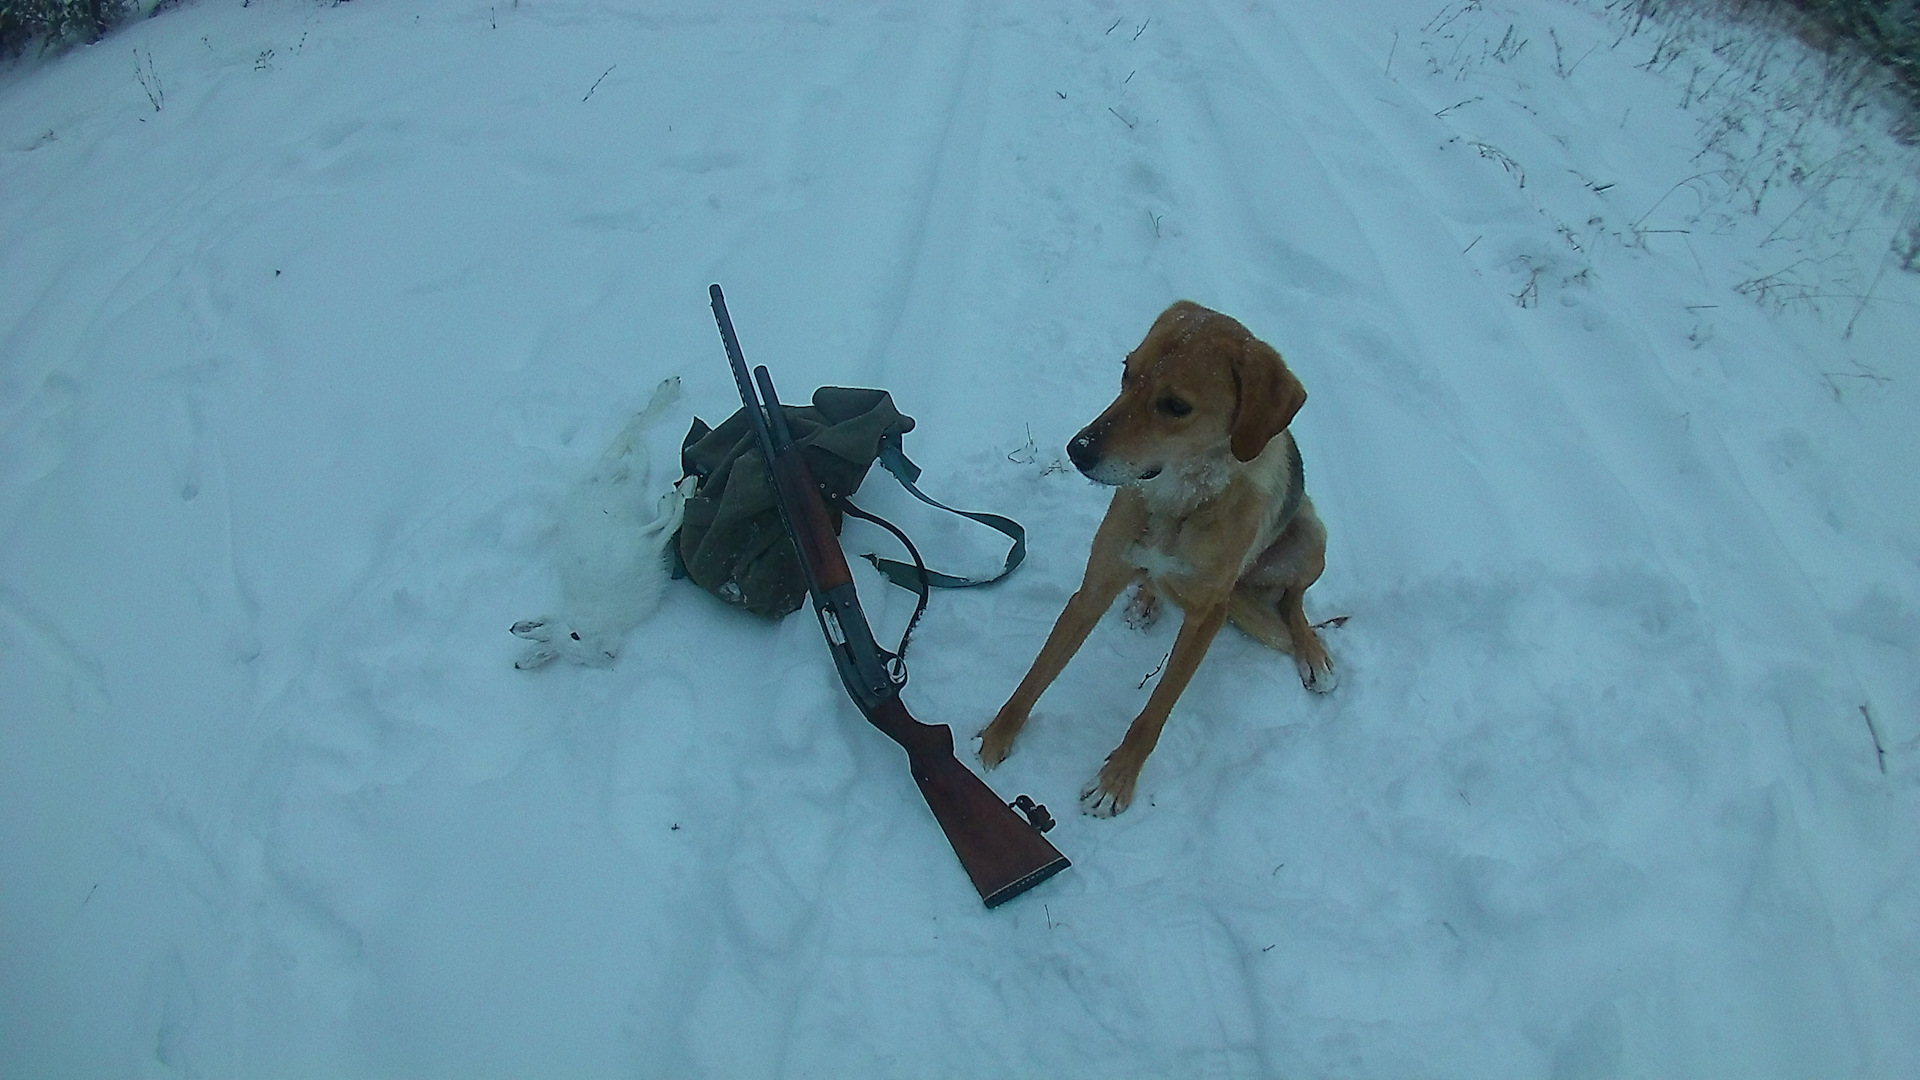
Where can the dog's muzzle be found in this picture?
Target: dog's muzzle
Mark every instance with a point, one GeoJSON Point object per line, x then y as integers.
{"type": "Point", "coordinates": [1084, 452]}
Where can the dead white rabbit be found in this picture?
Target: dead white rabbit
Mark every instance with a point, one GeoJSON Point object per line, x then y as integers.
{"type": "Point", "coordinates": [612, 556]}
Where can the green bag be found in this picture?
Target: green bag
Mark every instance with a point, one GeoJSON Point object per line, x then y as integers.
{"type": "Point", "coordinates": [731, 541]}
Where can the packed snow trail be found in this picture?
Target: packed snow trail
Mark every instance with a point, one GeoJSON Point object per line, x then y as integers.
{"type": "Point", "coordinates": [312, 328]}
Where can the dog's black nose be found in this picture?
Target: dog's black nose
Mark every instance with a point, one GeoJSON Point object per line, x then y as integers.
{"type": "Point", "coordinates": [1081, 452]}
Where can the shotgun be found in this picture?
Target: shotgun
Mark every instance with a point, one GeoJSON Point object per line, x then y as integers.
{"type": "Point", "coordinates": [1003, 853]}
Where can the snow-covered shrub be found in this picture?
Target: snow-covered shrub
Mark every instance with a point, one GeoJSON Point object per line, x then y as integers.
{"type": "Point", "coordinates": [1885, 33]}
{"type": "Point", "coordinates": [1796, 98]}
{"type": "Point", "coordinates": [1888, 31]}
{"type": "Point", "coordinates": [55, 21]}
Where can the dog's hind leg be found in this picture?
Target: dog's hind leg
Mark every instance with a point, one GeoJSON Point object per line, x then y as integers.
{"type": "Point", "coordinates": [1309, 655]}
{"type": "Point", "coordinates": [1269, 601]}
{"type": "Point", "coordinates": [1283, 625]}
{"type": "Point", "coordinates": [1259, 617]}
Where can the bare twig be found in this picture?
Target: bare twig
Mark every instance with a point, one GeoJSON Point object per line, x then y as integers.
{"type": "Point", "coordinates": [1122, 119]}
{"type": "Point", "coordinates": [1873, 377]}
{"type": "Point", "coordinates": [1590, 183]}
{"type": "Point", "coordinates": [1529, 294]}
{"type": "Point", "coordinates": [1494, 153]}
{"type": "Point", "coordinates": [1878, 750]}
{"type": "Point", "coordinates": [1156, 670]}
{"type": "Point", "coordinates": [1447, 15]}
{"type": "Point", "coordinates": [1030, 450]}
{"type": "Point", "coordinates": [1847, 335]}
{"type": "Point", "coordinates": [1509, 48]}
{"type": "Point", "coordinates": [598, 81]}
{"type": "Point", "coordinates": [1656, 203]}
{"type": "Point", "coordinates": [1782, 287]}
{"type": "Point", "coordinates": [1833, 388]}
{"type": "Point", "coordinates": [1456, 105]}
{"type": "Point", "coordinates": [149, 78]}
{"type": "Point", "coordinates": [1334, 623]}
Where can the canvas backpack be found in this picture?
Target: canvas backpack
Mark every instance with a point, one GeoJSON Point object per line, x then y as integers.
{"type": "Point", "coordinates": [731, 541]}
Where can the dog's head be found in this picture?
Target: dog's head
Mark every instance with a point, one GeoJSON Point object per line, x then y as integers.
{"type": "Point", "coordinates": [1199, 392]}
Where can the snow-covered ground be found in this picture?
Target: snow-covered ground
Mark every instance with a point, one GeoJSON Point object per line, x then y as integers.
{"type": "Point", "coordinates": [310, 325]}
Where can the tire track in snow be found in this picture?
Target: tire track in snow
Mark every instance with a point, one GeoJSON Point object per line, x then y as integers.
{"type": "Point", "coordinates": [84, 675]}
{"type": "Point", "coordinates": [1591, 389]}
{"type": "Point", "coordinates": [1616, 408]}
{"type": "Point", "coordinates": [1601, 393]}
{"type": "Point", "coordinates": [942, 205]}
{"type": "Point", "coordinates": [1445, 309]}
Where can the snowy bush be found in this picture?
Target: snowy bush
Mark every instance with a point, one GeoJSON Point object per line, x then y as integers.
{"type": "Point", "coordinates": [1884, 33]}
{"type": "Point", "coordinates": [55, 21]}
{"type": "Point", "coordinates": [1888, 31]}
{"type": "Point", "coordinates": [1795, 100]}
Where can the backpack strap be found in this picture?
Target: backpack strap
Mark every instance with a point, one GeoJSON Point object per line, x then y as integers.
{"type": "Point", "coordinates": [920, 574]}
{"type": "Point", "coordinates": [917, 577]}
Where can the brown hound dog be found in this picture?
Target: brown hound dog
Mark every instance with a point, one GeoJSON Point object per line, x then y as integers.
{"type": "Point", "coordinates": [1211, 512]}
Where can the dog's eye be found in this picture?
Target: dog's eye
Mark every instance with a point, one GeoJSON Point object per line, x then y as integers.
{"type": "Point", "coordinates": [1173, 406]}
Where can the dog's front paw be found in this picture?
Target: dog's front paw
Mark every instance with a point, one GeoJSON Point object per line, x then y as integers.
{"type": "Point", "coordinates": [1112, 790]}
{"type": "Point", "coordinates": [1317, 675]}
{"type": "Point", "coordinates": [996, 739]}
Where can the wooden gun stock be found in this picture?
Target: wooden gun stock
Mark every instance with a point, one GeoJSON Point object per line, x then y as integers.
{"type": "Point", "coordinates": [1003, 853]}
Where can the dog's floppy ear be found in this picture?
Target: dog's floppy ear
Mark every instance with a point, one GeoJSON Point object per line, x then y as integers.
{"type": "Point", "coordinates": [1269, 398]}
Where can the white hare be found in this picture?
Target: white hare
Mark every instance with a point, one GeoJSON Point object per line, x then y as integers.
{"type": "Point", "coordinates": [612, 558]}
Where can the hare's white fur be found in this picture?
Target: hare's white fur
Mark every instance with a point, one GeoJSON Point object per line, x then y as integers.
{"type": "Point", "coordinates": [612, 557]}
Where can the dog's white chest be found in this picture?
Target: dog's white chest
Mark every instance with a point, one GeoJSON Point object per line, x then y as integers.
{"type": "Point", "coordinates": [1171, 547]}
{"type": "Point", "coordinates": [1157, 562]}
{"type": "Point", "coordinates": [1191, 516]}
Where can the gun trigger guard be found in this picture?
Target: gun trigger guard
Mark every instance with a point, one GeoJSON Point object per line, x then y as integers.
{"type": "Point", "coordinates": [1036, 813]}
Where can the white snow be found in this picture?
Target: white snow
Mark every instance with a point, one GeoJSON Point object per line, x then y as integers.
{"type": "Point", "coordinates": [1613, 391]}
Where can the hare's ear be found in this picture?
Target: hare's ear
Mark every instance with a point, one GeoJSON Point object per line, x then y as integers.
{"type": "Point", "coordinates": [1269, 398]}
